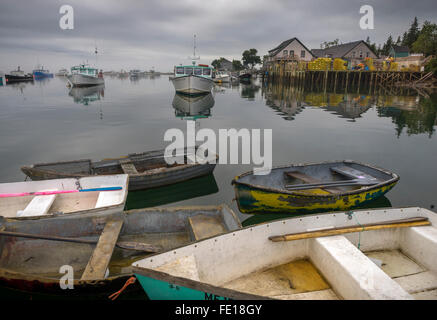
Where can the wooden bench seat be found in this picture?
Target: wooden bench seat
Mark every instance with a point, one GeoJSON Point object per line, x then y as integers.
{"type": "Point", "coordinates": [38, 206]}
{"type": "Point", "coordinates": [203, 226]}
{"type": "Point", "coordinates": [308, 179]}
{"type": "Point", "coordinates": [352, 173]}
{"type": "Point", "coordinates": [128, 167]}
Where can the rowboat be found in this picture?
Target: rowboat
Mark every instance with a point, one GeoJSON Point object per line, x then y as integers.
{"type": "Point", "coordinates": [309, 188]}
{"type": "Point", "coordinates": [361, 255]}
{"type": "Point", "coordinates": [145, 170]}
{"type": "Point", "coordinates": [33, 266]}
{"type": "Point", "coordinates": [50, 198]}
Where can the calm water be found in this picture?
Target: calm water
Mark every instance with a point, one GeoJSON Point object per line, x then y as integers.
{"type": "Point", "coordinates": [44, 122]}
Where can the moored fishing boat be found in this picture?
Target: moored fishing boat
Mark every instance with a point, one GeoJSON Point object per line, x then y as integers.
{"type": "Point", "coordinates": [32, 252]}
{"type": "Point", "coordinates": [367, 254]}
{"type": "Point", "coordinates": [40, 73]}
{"type": "Point", "coordinates": [222, 77]}
{"type": "Point", "coordinates": [18, 76]}
{"type": "Point", "coordinates": [83, 75]}
{"type": "Point", "coordinates": [316, 187]}
{"type": "Point", "coordinates": [49, 198]}
{"type": "Point", "coordinates": [145, 170]}
{"type": "Point", "coordinates": [244, 76]}
{"type": "Point", "coordinates": [62, 73]}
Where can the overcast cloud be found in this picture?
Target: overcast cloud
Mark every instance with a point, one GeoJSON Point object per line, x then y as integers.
{"type": "Point", "coordinates": [141, 34]}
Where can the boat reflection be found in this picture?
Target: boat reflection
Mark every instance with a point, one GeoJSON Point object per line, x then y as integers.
{"type": "Point", "coordinates": [381, 202]}
{"type": "Point", "coordinates": [249, 90]}
{"type": "Point", "coordinates": [192, 108]}
{"type": "Point", "coordinates": [197, 187]}
{"type": "Point", "coordinates": [86, 95]}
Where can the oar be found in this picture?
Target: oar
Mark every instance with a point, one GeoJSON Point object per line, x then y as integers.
{"type": "Point", "coordinates": [341, 183]}
{"type": "Point", "coordinates": [403, 223]}
{"type": "Point", "coordinates": [128, 245]}
{"type": "Point", "coordinates": [46, 193]}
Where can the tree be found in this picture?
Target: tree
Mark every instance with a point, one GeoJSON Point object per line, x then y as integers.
{"type": "Point", "coordinates": [236, 65]}
{"type": "Point", "coordinates": [387, 45]}
{"type": "Point", "coordinates": [412, 33]}
{"type": "Point", "coordinates": [328, 44]}
{"type": "Point", "coordinates": [250, 59]}
{"type": "Point", "coordinates": [426, 42]}
{"type": "Point", "coordinates": [216, 63]}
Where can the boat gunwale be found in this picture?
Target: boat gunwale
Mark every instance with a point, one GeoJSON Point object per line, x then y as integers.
{"type": "Point", "coordinates": [191, 75]}
{"type": "Point", "coordinates": [394, 179]}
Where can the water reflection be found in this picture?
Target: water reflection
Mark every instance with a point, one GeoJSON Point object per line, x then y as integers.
{"type": "Point", "coordinates": [87, 95]}
{"type": "Point", "coordinates": [409, 111]}
{"type": "Point", "coordinates": [249, 90]}
{"type": "Point", "coordinates": [190, 189]}
{"type": "Point", "coordinates": [192, 108]}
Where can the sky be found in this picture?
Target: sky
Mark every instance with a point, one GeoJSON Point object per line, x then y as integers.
{"type": "Point", "coordinates": [134, 34]}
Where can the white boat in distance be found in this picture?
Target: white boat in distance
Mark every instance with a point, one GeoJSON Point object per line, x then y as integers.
{"type": "Point", "coordinates": [192, 80]}
{"type": "Point", "coordinates": [83, 75]}
{"type": "Point", "coordinates": [49, 198]}
{"type": "Point", "coordinates": [222, 77]}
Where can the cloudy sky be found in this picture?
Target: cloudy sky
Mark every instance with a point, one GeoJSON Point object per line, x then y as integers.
{"type": "Point", "coordinates": [159, 33]}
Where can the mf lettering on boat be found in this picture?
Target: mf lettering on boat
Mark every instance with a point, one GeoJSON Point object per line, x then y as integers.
{"type": "Point", "coordinates": [210, 296]}
{"type": "Point", "coordinates": [206, 152]}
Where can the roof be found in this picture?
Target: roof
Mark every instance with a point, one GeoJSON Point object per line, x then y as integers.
{"type": "Point", "coordinates": [340, 50]}
{"type": "Point", "coordinates": [399, 49]}
{"type": "Point", "coordinates": [285, 43]}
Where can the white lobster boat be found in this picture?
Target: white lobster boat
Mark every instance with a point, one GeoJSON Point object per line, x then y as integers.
{"type": "Point", "coordinates": [368, 254]}
{"type": "Point", "coordinates": [192, 80]}
{"type": "Point", "coordinates": [83, 75]}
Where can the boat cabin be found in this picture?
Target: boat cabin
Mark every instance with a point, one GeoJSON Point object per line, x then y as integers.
{"type": "Point", "coordinates": [85, 70]}
{"type": "Point", "coordinates": [200, 70]}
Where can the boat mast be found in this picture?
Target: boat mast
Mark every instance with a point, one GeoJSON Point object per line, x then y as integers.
{"type": "Point", "coordinates": [194, 57]}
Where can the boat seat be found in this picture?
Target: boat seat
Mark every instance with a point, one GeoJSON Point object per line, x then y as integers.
{"type": "Point", "coordinates": [352, 173]}
{"type": "Point", "coordinates": [38, 206]}
{"type": "Point", "coordinates": [106, 198]}
{"type": "Point", "coordinates": [308, 179]}
{"type": "Point", "coordinates": [202, 226]}
{"type": "Point", "coordinates": [128, 167]}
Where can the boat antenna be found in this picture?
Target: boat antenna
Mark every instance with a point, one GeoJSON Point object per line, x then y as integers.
{"type": "Point", "coordinates": [95, 51]}
{"type": "Point", "coordinates": [194, 57]}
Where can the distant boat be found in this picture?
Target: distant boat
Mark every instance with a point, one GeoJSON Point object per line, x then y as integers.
{"type": "Point", "coordinates": [135, 73]}
{"type": "Point", "coordinates": [194, 79]}
{"type": "Point", "coordinates": [245, 76]}
{"type": "Point", "coordinates": [83, 75]}
{"type": "Point", "coordinates": [18, 76]}
{"type": "Point", "coordinates": [62, 73]}
{"type": "Point", "coordinates": [40, 72]}
{"type": "Point", "coordinates": [222, 77]}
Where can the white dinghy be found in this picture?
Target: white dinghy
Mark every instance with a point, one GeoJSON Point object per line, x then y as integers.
{"type": "Point", "coordinates": [48, 198]}
{"type": "Point", "coordinates": [368, 254]}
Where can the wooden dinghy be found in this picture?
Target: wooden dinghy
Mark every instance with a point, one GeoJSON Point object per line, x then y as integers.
{"type": "Point", "coordinates": [310, 188]}
{"type": "Point", "coordinates": [376, 254]}
{"type": "Point", "coordinates": [99, 248]}
{"type": "Point", "coordinates": [145, 170]}
{"type": "Point", "coordinates": [50, 198]}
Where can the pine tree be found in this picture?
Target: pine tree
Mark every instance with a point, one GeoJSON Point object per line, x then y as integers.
{"type": "Point", "coordinates": [413, 33]}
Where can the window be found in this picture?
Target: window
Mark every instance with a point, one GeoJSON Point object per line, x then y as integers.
{"type": "Point", "coordinates": [189, 70]}
{"type": "Point", "coordinates": [206, 72]}
{"type": "Point", "coordinates": [180, 70]}
{"type": "Point", "coordinates": [292, 53]}
{"type": "Point", "coordinates": [302, 54]}
{"type": "Point", "coordinates": [198, 71]}
{"type": "Point", "coordinates": [285, 53]}
{"type": "Point", "coordinates": [361, 54]}
{"type": "Point", "coordinates": [353, 54]}
{"type": "Point", "coordinates": [367, 54]}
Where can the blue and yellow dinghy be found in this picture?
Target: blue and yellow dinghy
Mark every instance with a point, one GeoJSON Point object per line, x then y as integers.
{"type": "Point", "coordinates": [309, 188]}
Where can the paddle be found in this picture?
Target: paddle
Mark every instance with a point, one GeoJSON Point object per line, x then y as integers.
{"type": "Point", "coordinates": [402, 223]}
{"type": "Point", "coordinates": [128, 245]}
{"type": "Point", "coordinates": [341, 183]}
{"type": "Point", "coordinates": [46, 193]}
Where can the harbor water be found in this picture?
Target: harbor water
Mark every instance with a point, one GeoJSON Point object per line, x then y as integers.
{"type": "Point", "coordinates": [45, 121]}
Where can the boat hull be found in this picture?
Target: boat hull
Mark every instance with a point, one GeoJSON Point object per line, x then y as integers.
{"type": "Point", "coordinates": [256, 199]}
{"type": "Point", "coordinates": [192, 85]}
{"type": "Point", "coordinates": [80, 80]}
{"type": "Point", "coordinates": [39, 74]}
{"type": "Point", "coordinates": [143, 180]}
{"type": "Point", "coordinates": [39, 274]}
{"type": "Point", "coordinates": [14, 79]}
